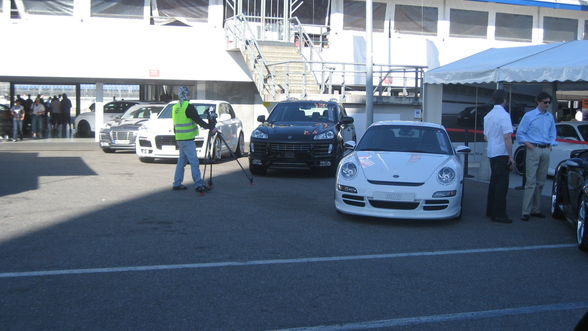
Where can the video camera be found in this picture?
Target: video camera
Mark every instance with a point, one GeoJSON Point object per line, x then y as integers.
{"type": "Point", "coordinates": [211, 116]}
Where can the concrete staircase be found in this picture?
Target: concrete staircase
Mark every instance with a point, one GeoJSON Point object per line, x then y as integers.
{"type": "Point", "coordinates": [293, 79]}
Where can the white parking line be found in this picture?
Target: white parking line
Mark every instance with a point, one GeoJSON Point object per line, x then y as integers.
{"type": "Point", "coordinates": [400, 322]}
{"type": "Point", "coordinates": [275, 262]}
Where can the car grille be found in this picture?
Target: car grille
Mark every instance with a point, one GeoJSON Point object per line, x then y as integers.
{"type": "Point", "coordinates": [381, 182]}
{"type": "Point", "coordinates": [402, 205]}
{"type": "Point", "coordinates": [295, 147]}
{"type": "Point", "coordinates": [122, 135]}
{"type": "Point", "coordinates": [165, 140]}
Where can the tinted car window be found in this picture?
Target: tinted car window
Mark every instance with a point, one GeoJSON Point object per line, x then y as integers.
{"type": "Point", "coordinates": [110, 108]}
{"type": "Point", "coordinates": [566, 131]}
{"type": "Point", "coordinates": [142, 112]}
{"type": "Point", "coordinates": [403, 138]}
{"type": "Point", "coordinates": [583, 131]}
{"type": "Point", "coordinates": [304, 112]}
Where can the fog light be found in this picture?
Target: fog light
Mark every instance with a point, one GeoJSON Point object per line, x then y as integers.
{"type": "Point", "coordinates": [325, 163]}
{"type": "Point", "coordinates": [444, 194]}
{"type": "Point", "coordinates": [349, 189]}
{"type": "Point", "coordinates": [256, 162]}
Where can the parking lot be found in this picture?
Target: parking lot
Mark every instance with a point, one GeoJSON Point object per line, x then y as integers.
{"type": "Point", "coordinates": [96, 241]}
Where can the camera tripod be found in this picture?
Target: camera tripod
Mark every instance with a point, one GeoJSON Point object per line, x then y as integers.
{"type": "Point", "coordinates": [208, 157]}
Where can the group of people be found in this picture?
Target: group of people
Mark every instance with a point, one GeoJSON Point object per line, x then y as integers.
{"type": "Point", "coordinates": [537, 132]}
{"type": "Point", "coordinates": [53, 114]}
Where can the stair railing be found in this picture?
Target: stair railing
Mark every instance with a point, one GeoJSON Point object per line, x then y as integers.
{"type": "Point", "coordinates": [238, 30]}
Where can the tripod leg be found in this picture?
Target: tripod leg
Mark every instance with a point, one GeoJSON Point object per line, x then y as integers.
{"type": "Point", "coordinates": [235, 158]}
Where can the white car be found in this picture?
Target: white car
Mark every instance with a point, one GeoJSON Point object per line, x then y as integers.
{"type": "Point", "coordinates": [571, 136]}
{"type": "Point", "coordinates": [400, 169]}
{"type": "Point", "coordinates": [84, 123]}
{"type": "Point", "coordinates": [156, 139]}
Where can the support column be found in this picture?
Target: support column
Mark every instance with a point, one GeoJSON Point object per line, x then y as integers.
{"type": "Point", "coordinates": [432, 103]}
{"type": "Point", "coordinates": [78, 99]}
{"type": "Point", "coordinates": [99, 110]}
{"type": "Point", "coordinates": [369, 84]}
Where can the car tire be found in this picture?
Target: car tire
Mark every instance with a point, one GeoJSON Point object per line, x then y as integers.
{"type": "Point", "coordinates": [519, 159]}
{"type": "Point", "coordinates": [257, 170]}
{"type": "Point", "coordinates": [555, 201]}
{"type": "Point", "coordinates": [240, 150]}
{"type": "Point", "coordinates": [581, 231]}
{"type": "Point", "coordinates": [83, 130]}
{"type": "Point", "coordinates": [147, 159]}
{"type": "Point", "coordinates": [108, 150]}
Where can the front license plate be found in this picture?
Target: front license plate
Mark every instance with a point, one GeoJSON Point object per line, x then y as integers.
{"type": "Point", "coordinates": [122, 142]}
{"type": "Point", "coordinates": [168, 148]}
{"type": "Point", "coordinates": [394, 196]}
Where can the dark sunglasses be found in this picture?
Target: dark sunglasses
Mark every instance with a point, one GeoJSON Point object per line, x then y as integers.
{"type": "Point", "coordinates": [546, 102]}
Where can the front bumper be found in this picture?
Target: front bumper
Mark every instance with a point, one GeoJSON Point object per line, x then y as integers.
{"type": "Point", "coordinates": [164, 147]}
{"type": "Point", "coordinates": [292, 155]}
{"type": "Point", "coordinates": [401, 202]}
{"type": "Point", "coordinates": [123, 140]}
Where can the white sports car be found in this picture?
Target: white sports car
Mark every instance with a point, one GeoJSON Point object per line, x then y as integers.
{"type": "Point", "coordinates": [401, 169]}
{"type": "Point", "coordinates": [156, 138]}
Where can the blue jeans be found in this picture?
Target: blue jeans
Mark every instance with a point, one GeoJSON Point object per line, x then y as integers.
{"type": "Point", "coordinates": [16, 128]}
{"type": "Point", "coordinates": [37, 124]}
{"type": "Point", "coordinates": [187, 149]}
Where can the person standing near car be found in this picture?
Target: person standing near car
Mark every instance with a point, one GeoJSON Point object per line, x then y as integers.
{"type": "Point", "coordinates": [65, 104]}
{"type": "Point", "coordinates": [537, 132]}
{"type": "Point", "coordinates": [18, 114]}
{"type": "Point", "coordinates": [38, 110]}
{"type": "Point", "coordinates": [498, 134]}
{"type": "Point", "coordinates": [186, 121]}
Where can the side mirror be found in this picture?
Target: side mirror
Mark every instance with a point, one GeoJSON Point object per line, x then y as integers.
{"type": "Point", "coordinates": [463, 149]}
{"type": "Point", "coordinates": [572, 163]}
{"type": "Point", "coordinates": [261, 118]}
{"type": "Point", "coordinates": [224, 117]}
{"type": "Point", "coordinates": [153, 116]}
{"type": "Point", "coordinates": [349, 145]}
{"type": "Point", "coordinates": [346, 120]}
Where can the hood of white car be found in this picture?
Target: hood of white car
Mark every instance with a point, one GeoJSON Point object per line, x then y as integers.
{"type": "Point", "coordinates": [400, 166]}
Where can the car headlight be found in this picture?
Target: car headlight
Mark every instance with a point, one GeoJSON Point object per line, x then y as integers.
{"type": "Point", "coordinates": [258, 134]}
{"type": "Point", "coordinates": [325, 135]}
{"type": "Point", "coordinates": [348, 170]}
{"type": "Point", "coordinates": [446, 176]}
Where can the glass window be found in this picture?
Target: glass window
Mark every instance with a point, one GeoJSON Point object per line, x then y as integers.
{"type": "Point", "coordinates": [118, 9]}
{"type": "Point", "coordinates": [583, 131]}
{"type": "Point", "coordinates": [404, 138]}
{"type": "Point", "coordinates": [231, 111]}
{"type": "Point", "coordinates": [190, 9]}
{"type": "Point", "coordinates": [354, 16]}
{"type": "Point", "coordinates": [468, 23]}
{"type": "Point", "coordinates": [565, 131]}
{"type": "Point", "coordinates": [304, 111]}
{"type": "Point", "coordinates": [415, 19]}
{"type": "Point", "coordinates": [585, 30]}
{"type": "Point", "coordinates": [557, 29]}
{"type": "Point", "coordinates": [313, 12]}
{"type": "Point", "coordinates": [201, 108]}
{"type": "Point", "coordinates": [514, 27]}
{"type": "Point", "coordinates": [48, 7]}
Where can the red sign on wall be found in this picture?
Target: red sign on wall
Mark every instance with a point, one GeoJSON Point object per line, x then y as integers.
{"type": "Point", "coordinates": [585, 104]}
{"type": "Point", "coordinates": [153, 72]}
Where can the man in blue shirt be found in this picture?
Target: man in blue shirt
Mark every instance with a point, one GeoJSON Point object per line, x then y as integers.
{"type": "Point", "coordinates": [537, 132]}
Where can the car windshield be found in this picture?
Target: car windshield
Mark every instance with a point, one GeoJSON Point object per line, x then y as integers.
{"type": "Point", "coordinates": [304, 111]}
{"type": "Point", "coordinates": [404, 138]}
{"type": "Point", "coordinates": [201, 108]}
{"type": "Point", "coordinates": [141, 112]}
{"type": "Point", "coordinates": [583, 131]}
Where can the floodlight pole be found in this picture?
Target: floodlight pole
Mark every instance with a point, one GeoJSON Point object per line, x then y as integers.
{"type": "Point", "coordinates": [369, 84]}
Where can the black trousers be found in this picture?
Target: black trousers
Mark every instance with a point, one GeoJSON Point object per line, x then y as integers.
{"type": "Point", "coordinates": [496, 205]}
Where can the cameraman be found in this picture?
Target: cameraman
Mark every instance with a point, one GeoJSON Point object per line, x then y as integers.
{"type": "Point", "coordinates": [186, 121]}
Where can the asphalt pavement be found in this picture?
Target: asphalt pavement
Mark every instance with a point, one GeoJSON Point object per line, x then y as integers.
{"type": "Point", "coordinates": [98, 241]}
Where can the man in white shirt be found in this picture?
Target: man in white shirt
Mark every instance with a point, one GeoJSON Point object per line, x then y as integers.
{"type": "Point", "coordinates": [498, 132]}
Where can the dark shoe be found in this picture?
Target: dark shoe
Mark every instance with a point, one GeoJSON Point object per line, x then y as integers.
{"type": "Point", "coordinates": [501, 219]}
{"type": "Point", "coordinates": [539, 215]}
{"type": "Point", "coordinates": [525, 218]}
{"type": "Point", "coordinates": [202, 189]}
{"type": "Point", "coordinates": [179, 188]}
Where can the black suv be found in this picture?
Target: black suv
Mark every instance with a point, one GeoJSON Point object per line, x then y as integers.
{"type": "Point", "coordinates": [300, 135]}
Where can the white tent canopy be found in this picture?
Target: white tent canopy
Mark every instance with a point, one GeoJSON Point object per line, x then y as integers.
{"type": "Point", "coordinates": [558, 62]}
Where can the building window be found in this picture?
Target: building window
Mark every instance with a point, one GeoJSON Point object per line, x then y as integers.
{"type": "Point", "coordinates": [193, 10]}
{"type": "Point", "coordinates": [48, 7]}
{"type": "Point", "coordinates": [468, 23]}
{"type": "Point", "coordinates": [118, 9]}
{"type": "Point", "coordinates": [585, 30]}
{"type": "Point", "coordinates": [415, 19]}
{"type": "Point", "coordinates": [354, 16]}
{"type": "Point", "coordinates": [313, 12]}
{"type": "Point", "coordinates": [514, 27]}
{"type": "Point", "coordinates": [557, 29]}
